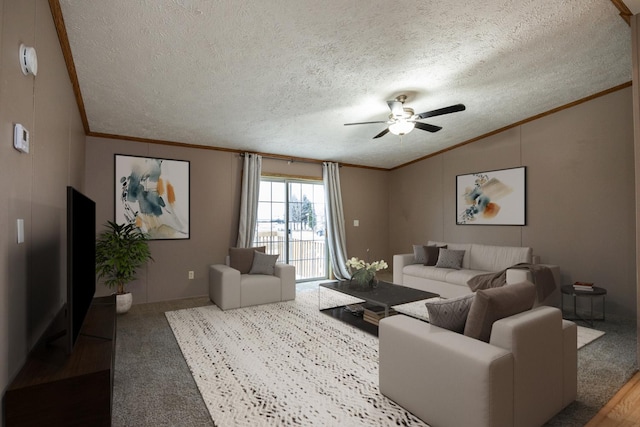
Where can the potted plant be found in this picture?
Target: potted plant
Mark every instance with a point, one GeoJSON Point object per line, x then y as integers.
{"type": "Point", "coordinates": [120, 251]}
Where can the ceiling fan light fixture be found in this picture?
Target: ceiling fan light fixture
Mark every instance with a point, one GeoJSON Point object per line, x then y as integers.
{"type": "Point", "coordinates": [402, 120]}
{"type": "Point", "coordinates": [401, 127]}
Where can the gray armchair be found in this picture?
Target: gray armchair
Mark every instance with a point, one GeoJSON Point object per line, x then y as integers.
{"type": "Point", "coordinates": [229, 289]}
{"type": "Point", "coordinates": [524, 376]}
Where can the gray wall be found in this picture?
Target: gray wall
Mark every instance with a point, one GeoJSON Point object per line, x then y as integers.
{"type": "Point", "coordinates": [365, 194]}
{"type": "Point", "coordinates": [215, 200]}
{"type": "Point", "coordinates": [580, 172]}
{"type": "Point", "coordinates": [580, 201]}
{"type": "Point", "coordinates": [635, 51]}
{"type": "Point", "coordinates": [214, 179]}
{"type": "Point", "coordinates": [580, 195]}
{"type": "Point", "coordinates": [33, 186]}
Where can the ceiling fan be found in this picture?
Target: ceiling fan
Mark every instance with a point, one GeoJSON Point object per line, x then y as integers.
{"type": "Point", "coordinates": [402, 120]}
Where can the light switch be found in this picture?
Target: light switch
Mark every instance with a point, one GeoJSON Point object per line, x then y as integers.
{"type": "Point", "coordinates": [20, 225]}
{"type": "Point", "coordinates": [356, 223]}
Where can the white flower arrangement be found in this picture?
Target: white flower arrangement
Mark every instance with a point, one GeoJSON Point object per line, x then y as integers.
{"type": "Point", "coordinates": [358, 264]}
{"type": "Point", "coordinates": [363, 272]}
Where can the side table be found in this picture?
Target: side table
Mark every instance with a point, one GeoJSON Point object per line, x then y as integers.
{"type": "Point", "coordinates": [571, 291]}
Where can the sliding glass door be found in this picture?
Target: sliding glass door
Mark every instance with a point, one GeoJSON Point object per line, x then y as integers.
{"type": "Point", "coordinates": [291, 223]}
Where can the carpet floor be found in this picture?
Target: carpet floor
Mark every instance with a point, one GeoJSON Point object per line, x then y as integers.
{"type": "Point", "coordinates": [284, 364]}
{"type": "Point", "coordinates": [154, 387]}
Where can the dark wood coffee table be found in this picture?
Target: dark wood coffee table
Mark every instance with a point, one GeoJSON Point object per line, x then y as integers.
{"type": "Point", "coordinates": [385, 295]}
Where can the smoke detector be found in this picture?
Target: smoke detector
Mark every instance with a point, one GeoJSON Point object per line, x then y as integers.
{"type": "Point", "coordinates": [28, 60]}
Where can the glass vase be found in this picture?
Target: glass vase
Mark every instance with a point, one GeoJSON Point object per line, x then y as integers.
{"type": "Point", "coordinates": [363, 280]}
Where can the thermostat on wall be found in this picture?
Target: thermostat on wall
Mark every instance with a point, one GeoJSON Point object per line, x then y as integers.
{"type": "Point", "coordinates": [20, 138]}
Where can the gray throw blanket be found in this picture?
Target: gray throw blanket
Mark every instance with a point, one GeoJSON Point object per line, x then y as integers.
{"type": "Point", "coordinates": [542, 278]}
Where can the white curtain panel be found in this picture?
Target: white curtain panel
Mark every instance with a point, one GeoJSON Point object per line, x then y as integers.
{"type": "Point", "coordinates": [336, 237]}
{"type": "Point", "coordinates": [251, 172]}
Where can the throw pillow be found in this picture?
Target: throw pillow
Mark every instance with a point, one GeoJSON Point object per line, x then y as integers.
{"type": "Point", "coordinates": [419, 255]}
{"type": "Point", "coordinates": [450, 313]}
{"type": "Point", "coordinates": [494, 304]}
{"type": "Point", "coordinates": [449, 258]}
{"type": "Point", "coordinates": [431, 253]}
{"type": "Point", "coordinates": [263, 263]}
{"type": "Point", "coordinates": [242, 258]}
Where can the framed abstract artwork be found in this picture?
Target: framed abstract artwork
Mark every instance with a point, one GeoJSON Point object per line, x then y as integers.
{"type": "Point", "coordinates": [153, 194]}
{"type": "Point", "coordinates": [491, 198]}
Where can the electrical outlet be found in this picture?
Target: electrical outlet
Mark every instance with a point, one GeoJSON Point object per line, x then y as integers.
{"type": "Point", "coordinates": [191, 275]}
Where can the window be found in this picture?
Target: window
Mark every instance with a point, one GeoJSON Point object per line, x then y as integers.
{"type": "Point", "coordinates": [291, 223]}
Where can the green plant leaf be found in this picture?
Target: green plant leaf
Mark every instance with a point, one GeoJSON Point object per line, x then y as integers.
{"type": "Point", "coordinates": [120, 250]}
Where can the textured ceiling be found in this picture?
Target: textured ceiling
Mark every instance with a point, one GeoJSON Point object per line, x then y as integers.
{"type": "Point", "coordinates": [283, 76]}
{"type": "Point", "coordinates": [633, 5]}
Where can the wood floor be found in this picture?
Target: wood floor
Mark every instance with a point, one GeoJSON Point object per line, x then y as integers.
{"type": "Point", "coordinates": [623, 409]}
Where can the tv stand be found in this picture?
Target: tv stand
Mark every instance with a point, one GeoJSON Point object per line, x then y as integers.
{"type": "Point", "coordinates": [56, 336]}
{"type": "Point", "coordinates": [54, 388]}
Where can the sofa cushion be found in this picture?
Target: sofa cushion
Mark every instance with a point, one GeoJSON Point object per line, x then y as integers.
{"type": "Point", "coordinates": [449, 258]}
{"type": "Point", "coordinates": [494, 304]}
{"type": "Point", "coordinates": [461, 277]}
{"type": "Point", "coordinates": [258, 289]}
{"type": "Point", "coordinates": [418, 270]}
{"type": "Point", "coordinates": [263, 263]}
{"type": "Point", "coordinates": [449, 313]}
{"type": "Point", "coordinates": [457, 247]}
{"type": "Point", "coordinates": [497, 258]}
{"type": "Point", "coordinates": [419, 254]}
{"type": "Point", "coordinates": [241, 259]}
{"type": "Point", "coordinates": [431, 254]}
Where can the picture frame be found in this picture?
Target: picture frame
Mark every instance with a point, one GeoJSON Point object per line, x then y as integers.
{"type": "Point", "coordinates": [495, 197]}
{"type": "Point", "coordinates": [154, 194]}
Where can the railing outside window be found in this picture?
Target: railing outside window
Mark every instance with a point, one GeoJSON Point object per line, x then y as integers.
{"type": "Point", "coordinates": [291, 223]}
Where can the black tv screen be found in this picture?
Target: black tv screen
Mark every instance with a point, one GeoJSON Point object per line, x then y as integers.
{"type": "Point", "coordinates": [81, 261]}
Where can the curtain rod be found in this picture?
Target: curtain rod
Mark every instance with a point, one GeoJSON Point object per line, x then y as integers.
{"type": "Point", "coordinates": [288, 159]}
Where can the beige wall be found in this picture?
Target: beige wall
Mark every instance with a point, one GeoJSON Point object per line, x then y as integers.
{"type": "Point", "coordinates": [215, 194]}
{"type": "Point", "coordinates": [580, 201]}
{"type": "Point", "coordinates": [214, 179]}
{"type": "Point", "coordinates": [33, 186]}
{"type": "Point", "coordinates": [635, 53]}
{"type": "Point", "coordinates": [365, 195]}
{"type": "Point", "coordinates": [580, 195]}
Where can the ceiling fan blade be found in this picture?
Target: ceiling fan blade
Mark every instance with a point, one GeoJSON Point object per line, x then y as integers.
{"type": "Point", "coordinates": [396, 108]}
{"type": "Point", "coordinates": [383, 133]}
{"type": "Point", "coordinates": [365, 123]}
{"type": "Point", "coordinates": [427, 127]}
{"type": "Point", "coordinates": [441, 111]}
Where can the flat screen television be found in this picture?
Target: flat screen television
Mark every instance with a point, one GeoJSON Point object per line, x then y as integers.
{"type": "Point", "coordinates": [81, 261]}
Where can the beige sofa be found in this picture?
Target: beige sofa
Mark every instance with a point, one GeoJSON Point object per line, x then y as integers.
{"type": "Point", "coordinates": [524, 376]}
{"type": "Point", "coordinates": [478, 259]}
{"type": "Point", "coordinates": [229, 289]}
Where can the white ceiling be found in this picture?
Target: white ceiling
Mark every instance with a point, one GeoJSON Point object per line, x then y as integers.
{"type": "Point", "coordinates": [283, 76]}
{"type": "Point", "coordinates": [633, 5]}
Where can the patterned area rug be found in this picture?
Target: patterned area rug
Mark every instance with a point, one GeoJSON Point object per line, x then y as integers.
{"type": "Point", "coordinates": [289, 364]}
{"type": "Point", "coordinates": [284, 364]}
{"type": "Point", "coordinates": [587, 335]}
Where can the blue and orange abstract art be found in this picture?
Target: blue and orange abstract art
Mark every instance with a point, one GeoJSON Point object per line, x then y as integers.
{"type": "Point", "coordinates": [154, 194]}
{"type": "Point", "coordinates": [491, 198]}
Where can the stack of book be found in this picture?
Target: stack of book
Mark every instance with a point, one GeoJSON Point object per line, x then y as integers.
{"type": "Point", "coordinates": [373, 314]}
{"type": "Point", "coordinates": [583, 286]}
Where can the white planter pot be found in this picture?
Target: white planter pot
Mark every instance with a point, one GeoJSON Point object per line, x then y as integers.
{"type": "Point", "coordinates": [123, 302]}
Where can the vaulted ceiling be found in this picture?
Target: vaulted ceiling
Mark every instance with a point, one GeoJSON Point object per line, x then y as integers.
{"type": "Point", "coordinates": [282, 77]}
